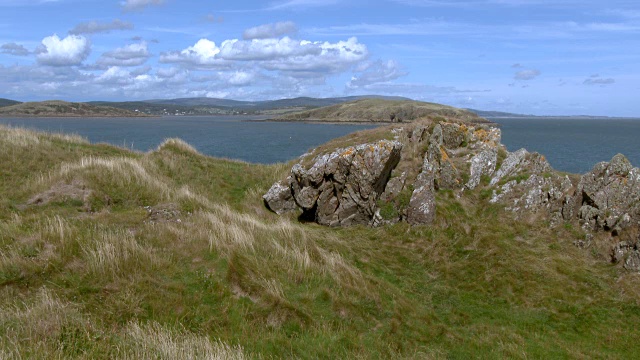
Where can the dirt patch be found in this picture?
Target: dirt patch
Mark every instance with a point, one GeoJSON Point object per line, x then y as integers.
{"type": "Point", "coordinates": [63, 192]}
{"type": "Point", "coordinates": [164, 213]}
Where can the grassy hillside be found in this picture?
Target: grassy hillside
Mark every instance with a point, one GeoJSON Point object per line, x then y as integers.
{"type": "Point", "coordinates": [381, 110]}
{"type": "Point", "coordinates": [7, 102]}
{"type": "Point", "coordinates": [214, 106]}
{"type": "Point", "coordinates": [65, 109]}
{"type": "Point", "coordinates": [107, 253]}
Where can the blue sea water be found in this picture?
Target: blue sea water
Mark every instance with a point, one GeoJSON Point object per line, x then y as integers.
{"type": "Point", "coordinates": [222, 136]}
{"type": "Point", "coordinates": [572, 145]}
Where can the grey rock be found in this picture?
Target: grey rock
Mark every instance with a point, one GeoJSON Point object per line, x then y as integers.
{"type": "Point", "coordinates": [394, 187]}
{"type": "Point", "coordinates": [632, 262]}
{"type": "Point", "coordinates": [448, 177]}
{"type": "Point", "coordinates": [509, 165]}
{"type": "Point", "coordinates": [609, 196]}
{"type": "Point", "coordinates": [453, 135]}
{"type": "Point", "coordinates": [434, 151]}
{"type": "Point", "coordinates": [279, 198]}
{"type": "Point", "coordinates": [483, 163]}
{"type": "Point", "coordinates": [340, 188]}
{"type": "Point", "coordinates": [422, 205]}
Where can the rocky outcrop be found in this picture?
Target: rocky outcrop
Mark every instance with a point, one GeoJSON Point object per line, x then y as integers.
{"type": "Point", "coordinates": [279, 198]}
{"type": "Point", "coordinates": [422, 205]}
{"type": "Point", "coordinates": [482, 164]}
{"type": "Point", "coordinates": [526, 182]}
{"type": "Point", "coordinates": [340, 188]}
{"type": "Point", "coordinates": [608, 197]}
{"type": "Point", "coordinates": [385, 182]}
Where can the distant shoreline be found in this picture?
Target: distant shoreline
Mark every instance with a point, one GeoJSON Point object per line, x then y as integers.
{"type": "Point", "coordinates": [76, 116]}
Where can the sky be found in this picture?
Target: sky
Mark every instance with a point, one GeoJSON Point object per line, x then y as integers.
{"type": "Point", "coordinates": [562, 57]}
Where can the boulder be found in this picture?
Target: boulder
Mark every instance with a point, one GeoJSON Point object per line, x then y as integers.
{"type": "Point", "coordinates": [394, 187]}
{"type": "Point", "coordinates": [340, 188]}
{"type": "Point", "coordinates": [509, 165]}
{"type": "Point", "coordinates": [608, 196]}
{"type": "Point", "coordinates": [422, 205]}
{"type": "Point", "coordinates": [531, 185]}
{"type": "Point", "coordinates": [453, 135]}
{"type": "Point", "coordinates": [279, 198]}
{"type": "Point", "coordinates": [484, 163]}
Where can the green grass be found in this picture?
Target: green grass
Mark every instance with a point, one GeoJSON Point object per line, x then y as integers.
{"type": "Point", "coordinates": [232, 280]}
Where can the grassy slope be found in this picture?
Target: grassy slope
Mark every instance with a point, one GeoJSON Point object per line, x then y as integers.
{"type": "Point", "coordinates": [8, 102]}
{"type": "Point", "coordinates": [234, 280]}
{"type": "Point", "coordinates": [63, 108]}
{"type": "Point", "coordinates": [381, 110]}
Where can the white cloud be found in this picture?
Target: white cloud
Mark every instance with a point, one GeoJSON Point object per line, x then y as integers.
{"type": "Point", "coordinates": [239, 78]}
{"type": "Point", "coordinates": [527, 74]}
{"type": "Point", "coordinates": [267, 49]}
{"type": "Point", "coordinates": [270, 30]}
{"type": "Point", "coordinates": [376, 72]}
{"type": "Point", "coordinates": [71, 50]}
{"type": "Point", "coordinates": [14, 49]}
{"type": "Point", "coordinates": [202, 54]}
{"type": "Point", "coordinates": [93, 27]}
{"type": "Point", "coordinates": [130, 55]}
{"type": "Point", "coordinates": [130, 5]}
{"type": "Point", "coordinates": [283, 54]}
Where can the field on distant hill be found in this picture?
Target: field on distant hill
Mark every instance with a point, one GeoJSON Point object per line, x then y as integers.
{"type": "Point", "coordinates": [64, 109]}
{"type": "Point", "coordinates": [381, 110]}
{"type": "Point", "coordinates": [7, 102]}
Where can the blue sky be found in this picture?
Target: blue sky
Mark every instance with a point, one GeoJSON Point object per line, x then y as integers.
{"type": "Point", "coordinates": [527, 56]}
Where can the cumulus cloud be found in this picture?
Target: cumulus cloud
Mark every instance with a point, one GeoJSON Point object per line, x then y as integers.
{"type": "Point", "coordinates": [201, 54]}
{"type": "Point", "coordinates": [287, 55]}
{"type": "Point", "coordinates": [14, 49]}
{"type": "Point", "coordinates": [376, 72]}
{"type": "Point", "coordinates": [131, 5]}
{"type": "Point", "coordinates": [71, 50]}
{"type": "Point", "coordinates": [268, 31]}
{"type": "Point", "coordinates": [597, 80]}
{"type": "Point", "coordinates": [238, 78]}
{"type": "Point", "coordinates": [527, 74]}
{"type": "Point", "coordinates": [93, 27]}
{"type": "Point", "coordinates": [130, 55]}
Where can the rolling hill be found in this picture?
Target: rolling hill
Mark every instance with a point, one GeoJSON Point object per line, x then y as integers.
{"type": "Point", "coordinates": [380, 110]}
{"type": "Point", "coordinates": [55, 108]}
{"type": "Point", "coordinates": [8, 102]}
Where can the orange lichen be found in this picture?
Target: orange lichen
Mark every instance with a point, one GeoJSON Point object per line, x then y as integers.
{"type": "Point", "coordinates": [443, 154]}
{"type": "Point", "coordinates": [348, 152]}
{"type": "Point", "coordinates": [481, 134]}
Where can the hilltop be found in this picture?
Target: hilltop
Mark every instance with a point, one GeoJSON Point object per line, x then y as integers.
{"type": "Point", "coordinates": [109, 253]}
{"type": "Point", "coordinates": [56, 108]}
{"type": "Point", "coordinates": [381, 110]}
{"type": "Point", "coordinates": [8, 102]}
{"type": "Point", "coordinates": [216, 106]}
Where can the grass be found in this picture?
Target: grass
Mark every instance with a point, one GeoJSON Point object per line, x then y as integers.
{"type": "Point", "coordinates": [225, 278]}
{"type": "Point", "coordinates": [381, 110]}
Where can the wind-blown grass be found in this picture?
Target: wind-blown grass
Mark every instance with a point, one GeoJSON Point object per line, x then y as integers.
{"type": "Point", "coordinates": [175, 256]}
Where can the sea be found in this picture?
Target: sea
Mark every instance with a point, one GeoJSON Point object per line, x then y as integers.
{"type": "Point", "coordinates": [570, 144]}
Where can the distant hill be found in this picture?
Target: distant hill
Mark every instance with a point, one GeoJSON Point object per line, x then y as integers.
{"type": "Point", "coordinates": [7, 102]}
{"type": "Point", "coordinates": [381, 110]}
{"type": "Point", "coordinates": [267, 104]}
{"type": "Point", "coordinates": [57, 108]}
{"type": "Point", "coordinates": [215, 106]}
{"type": "Point", "coordinates": [485, 113]}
